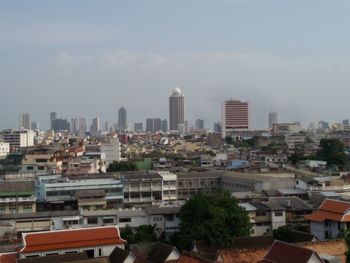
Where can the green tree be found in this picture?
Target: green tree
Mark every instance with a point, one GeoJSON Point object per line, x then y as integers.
{"type": "Point", "coordinates": [122, 166]}
{"type": "Point", "coordinates": [332, 151]}
{"type": "Point", "coordinates": [213, 218]}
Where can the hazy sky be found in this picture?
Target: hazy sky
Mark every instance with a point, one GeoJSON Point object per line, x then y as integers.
{"type": "Point", "coordinates": [88, 58]}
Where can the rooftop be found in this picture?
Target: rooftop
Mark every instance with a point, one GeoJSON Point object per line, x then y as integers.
{"type": "Point", "coordinates": [72, 238]}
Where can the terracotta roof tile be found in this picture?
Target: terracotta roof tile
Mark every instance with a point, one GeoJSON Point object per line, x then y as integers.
{"type": "Point", "coordinates": [243, 255]}
{"type": "Point", "coordinates": [332, 210]}
{"type": "Point", "coordinates": [282, 252]}
{"type": "Point", "coordinates": [64, 239]}
{"type": "Point", "coordinates": [8, 257]}
{"type": "Point", "coordinates": [335, 206]}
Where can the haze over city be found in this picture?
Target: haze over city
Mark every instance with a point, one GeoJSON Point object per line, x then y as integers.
{"type": "Point", "coordinates": [85, 58]}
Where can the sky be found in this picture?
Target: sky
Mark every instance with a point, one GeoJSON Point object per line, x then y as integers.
{"type": "Point", "coordinates": [87, 58]}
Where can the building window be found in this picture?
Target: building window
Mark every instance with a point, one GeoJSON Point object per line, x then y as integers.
{"type": "Point", "coordinates": [27, 207]}
{"type": "Point", "coordinates": [2, 208]}
{"type": "Point", "coordinates": [99, 252]}
{"type": "Point", "coordinates": [108, 220]}
{"type": "Point", "coordinates": [278, 213]}
{"type": "Point", "coordinates": [92, 220]}
{"type": "Point", "coordinates": [13, 208]}
{"type": "Point", "coordinates": [124, 220]}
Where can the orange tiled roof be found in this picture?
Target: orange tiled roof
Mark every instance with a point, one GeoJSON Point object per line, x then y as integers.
{"type": "Point", "coordinates": [243, 255]}
{"type": "Point", "coordinates": [332, 210]}
{"type": "Point", "coordinates": [8, 257]}
{"type": "Point", "coordinates": [335, 206]}
{"type": "Point", "coordinates": [67, 239]}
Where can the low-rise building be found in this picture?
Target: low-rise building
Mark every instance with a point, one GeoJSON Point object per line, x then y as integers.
{"type": "Point", "coordinates": [4, 149]}
{"type": "Point", "coordinates": [95, 242]}
{"type": "Point", "coordinates": [57, 188]}
{"type": "Point", "coordinates": [331, 218]}
{"type": "Point", "coordinates": [17, 197]}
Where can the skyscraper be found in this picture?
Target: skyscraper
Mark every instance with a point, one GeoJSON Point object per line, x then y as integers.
{"type": "Point", "coordinates": [53, 117]}
{"type": "Point", "coordinates": [95, 125]}
{"type": "Point", "coordinates": [176, 109]}
{"type": "Point", "coordinates": [235, 116]}
{"type": "Point", "coordinates": [122, 120]}
{"type": "Point", "coordinates": [25, 121]}
{"type": "Point", "coordinates": [82, 125]}
{"type": "Point", "coordinates": [199, 124]}
{"type": "Point", "coordinates": [153, 125]}
{"type": "Point", "coordinates": [272, 118]}
{"type": "Point", "coordinates": [164, 125]}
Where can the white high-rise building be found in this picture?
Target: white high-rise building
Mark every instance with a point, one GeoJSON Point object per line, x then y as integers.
{"type": "Point", "coordinates": [111, 148]}
{"type": "Point", "coordinates": [25, 121]}
{"type": "Point", "coordinates": [19, 138]}
{"type": "Point", "coordinates": [176, 110]}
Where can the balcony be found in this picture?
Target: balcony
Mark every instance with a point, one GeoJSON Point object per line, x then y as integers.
{"type": "Point", "coordinates": [31, 199]}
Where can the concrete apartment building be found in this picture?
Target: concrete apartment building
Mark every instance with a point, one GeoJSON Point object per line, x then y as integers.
{"type": "Point", "coordinates": [17, 197]}
{"type": "Point", "coordinates": [41, 160]}
{"type": "Point", "coordinates": [57, 188]}
{"type": "Point", "coordinates": [141, 188]}
{"type": "Point", "coordinates": [4, 149]}
{"type": "Point", "coordinates": [112, 150]}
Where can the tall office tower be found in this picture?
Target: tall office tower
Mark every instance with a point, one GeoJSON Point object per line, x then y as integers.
{"type": "Point", "coordinates": [272, 118]}
{"type": "Point", "coordinates": [153, 125]}
{"type": "Point", "coordinates": [138, 127]}
{"type": "Point", "coordinates": [25, 121]}
{"type": "Point", "coordinates": [164, 125]}
{"type": "Point", "coordinates": [35, 125]}
{"type": "Point", "coordinates": [346, 122]}
{"type": "Point", "coordinates": [95, 125]}
{"type": "Point", "coordinates": [122, 120]}
{"type": "Point", "coordinates": [235, 116]}
{"type": "Point", "coordinates": [53, 117]}
{"type": "Point", "coordinates": [106, 126]}
{"type": "Point", "coordinates": [82, 125]}
{"type": "Point", "coordinates": [74, 126]}
{"type": "Point", "coordinates": [176, 109]}
{"type": "Point", "coordinates": [217, 127]}
{"type": "Point", "coordinates": [199, 124]}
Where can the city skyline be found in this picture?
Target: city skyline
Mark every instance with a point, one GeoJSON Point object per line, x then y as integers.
{"type": "Point", "coordinates": [233, 48]}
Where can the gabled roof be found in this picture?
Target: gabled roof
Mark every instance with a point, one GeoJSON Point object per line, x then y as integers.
{"type": "Point", "coordinates": [72, 238]}
{"type": "Point", "coordinates": [119, 255]}
{"type": "Point", "coordinates": [161, 252]}
{"type": "Point", "coordinates": [332, 210]}
{"type": "Point", "coordinates": [282, 252]}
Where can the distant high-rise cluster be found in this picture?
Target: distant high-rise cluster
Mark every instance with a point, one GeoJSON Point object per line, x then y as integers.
{"type": "Point", "coordinates": [235, 116]}
{"type": "Point", "coordinates": [153, 125]}
{"type": "Point", "coordinates": [58, 124]}
{"type": "Point", "coordinates": [176, 110]}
